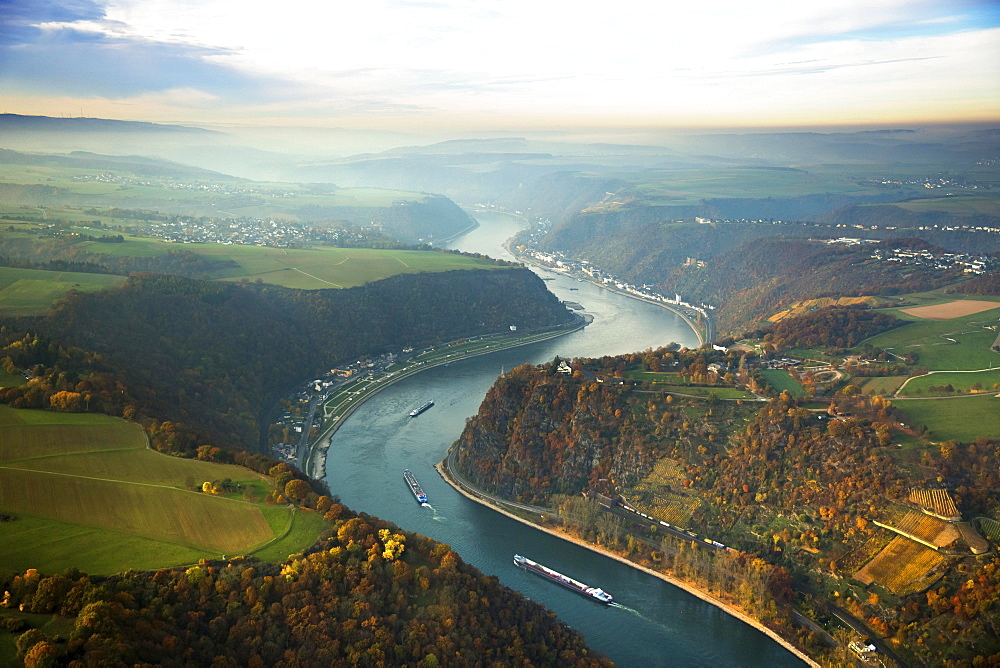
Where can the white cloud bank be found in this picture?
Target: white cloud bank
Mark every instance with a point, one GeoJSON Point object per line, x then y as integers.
{"type": "Point", "coordinates": [723, 62]}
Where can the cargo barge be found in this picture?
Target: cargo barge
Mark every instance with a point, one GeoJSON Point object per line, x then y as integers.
{"type": "Point", "coordinates": [417, 411]}
{"type": "Point", "coordinates": [594, 593]}
{"type": "Point", "coordinates": [418, 492]}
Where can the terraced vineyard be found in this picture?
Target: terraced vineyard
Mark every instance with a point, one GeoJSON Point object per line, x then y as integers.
{"type": "Point", "coordinates": [903, 567]}
{"type": "Point", "coordinates": [853, 562]}
{"type": "Point", "coordinates": [929, 529]}
{"type": "Point", "coordinates": [660, 495]}
{"type": "Point", "coordinates": [990, 528]}
{"type": "Point", "coordinates": [938, 501]}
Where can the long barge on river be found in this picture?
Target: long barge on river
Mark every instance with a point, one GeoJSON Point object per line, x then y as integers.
{"type": "Point", "coordinates": [415, 487]}
{"type": "Point", "coordinates": [420, 409]}
{"type": "Point", "coordinates": [594, 593]}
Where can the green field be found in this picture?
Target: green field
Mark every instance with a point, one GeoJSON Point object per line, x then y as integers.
{"type": "Point", "coordinates": [966, 205]}
{"type": "Point", "coordinates": [673, 382]}
{"type": "Point", "coordinates": [50, 625]}
{"type": "Point", "coordinates": [201, 194]}
{"type": "Point", "coordinates": [87, 492]}
{"type": "Point", "coordinates": [884, 385]}
{"type": "Point", "coordinates": [334, 267]}
{"type": "Point", "coordinates": [11, 379]}
{"type": "Point", "coordinates": [961, 418]}
{"type": "Point", "coordinates": [656, 377]}
{"type": "Point", "coordinates": [959, 344]}
{"type": "Point", "coordinates": [693, 185]}
{"type": "Point", "coordinates": [32, 291]}
{"type": "Point", "coordinates": [962, 382]}
{"type": "Point", "coordinates": [782, 381]}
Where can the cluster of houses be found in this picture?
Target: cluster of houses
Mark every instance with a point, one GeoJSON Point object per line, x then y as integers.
{"type": "Point", "coordinates": [316, 392]}
{"type": "Point", "coordinates": [967, 262]}
{"type": "Point", "coordinates": [557, 261]}
{"type": "Point", "coordinates": [927, 182]}
{"type": "Point", "coordinates": [247, 232]}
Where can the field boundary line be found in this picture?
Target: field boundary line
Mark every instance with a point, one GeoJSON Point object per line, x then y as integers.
{"type": "Point", "coordinates": [126, 482]}
{"type": "Point", "coordinates": [288, 529]}
{"type": "Point", "coordinates": [68, 454]}
{"type": "Point", "coordinates": [316, 278]}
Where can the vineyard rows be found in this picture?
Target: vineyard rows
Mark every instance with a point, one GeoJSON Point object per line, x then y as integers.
{"type": "Point", "coordinates": [938, 501]}
{"type": "Point", "coordinates": [902, 567]}
{"type": "Point", "coordinates": [930, 529]}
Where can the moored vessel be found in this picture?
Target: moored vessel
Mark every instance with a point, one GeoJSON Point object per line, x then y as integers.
{"type": "Point", "coordinates": [418, 492]}
{"type": "Point", "coordinates": [594, 593]}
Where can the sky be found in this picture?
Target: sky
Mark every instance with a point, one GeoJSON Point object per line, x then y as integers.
{"type": "Point", "coordinates": [468, 64]}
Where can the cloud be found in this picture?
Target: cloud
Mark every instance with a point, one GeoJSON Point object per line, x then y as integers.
{"type": "Point", "coordinates": [74, 49]}
{"type": "Point", "coordinates": [516, 57]}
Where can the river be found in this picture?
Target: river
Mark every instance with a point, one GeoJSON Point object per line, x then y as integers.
{"type": "Point", "coordinates": [661, 625]}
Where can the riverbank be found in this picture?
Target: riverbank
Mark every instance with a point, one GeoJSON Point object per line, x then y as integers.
{"type": "Point", "coordinates": [315, 464]}
{"type": "Point", "coordinates": [445, 473]}
{"type": "Point", "coordinates": [703, 333]}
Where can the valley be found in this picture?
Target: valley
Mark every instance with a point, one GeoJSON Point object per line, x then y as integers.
{"type": "Point", "coordinates": [828, 376]}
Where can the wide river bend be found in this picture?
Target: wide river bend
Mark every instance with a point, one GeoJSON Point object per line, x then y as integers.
{"type": "Point", "coordinates": [661, 624]}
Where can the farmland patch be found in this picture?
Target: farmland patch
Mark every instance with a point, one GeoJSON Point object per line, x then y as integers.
{"type": "Point", "coordinates": [949, 310]}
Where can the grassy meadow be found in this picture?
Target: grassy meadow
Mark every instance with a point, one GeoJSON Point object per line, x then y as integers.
{"type": "Point", "coordinates": [963, 382]}
{"type": "Point", "coordinates": [302, 268]}
{"type": "Point", "coordinates": [782, 381]}
{"type": "Point", "coordinates": [88, 493]}
{"type": "Point", "coordinates": [958, 351]}
{"type": "Point", "coordinates": [957, 344]}
{"type": "Point", "coordinates": [884, 385]}
{"type": "Point", "coordinates": [318, 268]}
{"type": "Point", "coordinates": [961, 418]}
{"type": "Point", "coordinates": [694, 185]}
{"type": "Point", "coordinates": [11, 379]}
{"type": "Point", "coordinates": [32, 291]}
{"type": "Point", "coordinates": [201, 195]}
{"type": "Point", "coordinates": [962, 205]}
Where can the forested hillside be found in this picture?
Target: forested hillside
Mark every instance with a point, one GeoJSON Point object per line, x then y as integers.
{"type": "Point", "coordinates": [797, 487]}
{"type": "Point", "coordinates": [368, 593]}
{"type": "Point", "coordinates": [196, 362]}
{"type": "Point", "coordinates": [831, 328]}
{"type": "Point", "coordinates": [540, 433]}
{"type": "Point", "coordinates": [214, 355]}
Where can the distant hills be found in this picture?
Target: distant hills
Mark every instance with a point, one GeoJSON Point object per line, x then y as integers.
{"type": "Point", "coordinates": [136, 164]}
{"type": "Point", "coordinates": [19, 123]}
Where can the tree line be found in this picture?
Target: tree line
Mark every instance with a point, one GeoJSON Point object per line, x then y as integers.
{"type": "Point", "coordinates": [367, 593]}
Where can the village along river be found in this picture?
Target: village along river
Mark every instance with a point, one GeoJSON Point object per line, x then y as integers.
{"type": "Point", "coordinates": [661, 625]}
